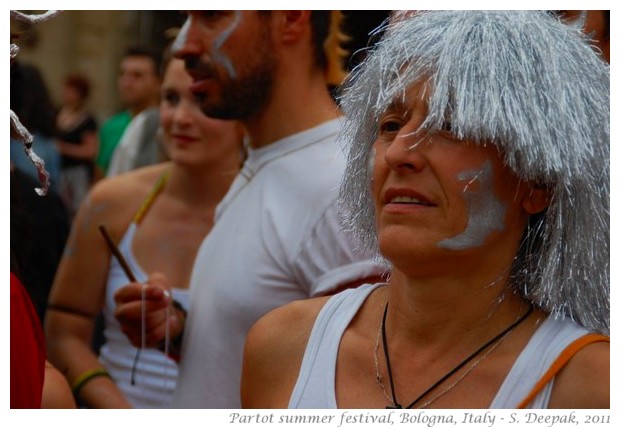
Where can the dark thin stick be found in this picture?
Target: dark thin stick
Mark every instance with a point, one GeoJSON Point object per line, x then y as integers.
{"type": "Point", "coordinates": [121, 260]}
{"type": "Point", "coordinates": [117, 253]}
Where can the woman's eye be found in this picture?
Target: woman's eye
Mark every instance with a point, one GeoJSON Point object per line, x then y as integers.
{"type": "Point", "coordinates": [171, 97]}
{"type": "Point", "coordinates": [446, 126]}
{"type": "Point", "coordinates": [389, 126]}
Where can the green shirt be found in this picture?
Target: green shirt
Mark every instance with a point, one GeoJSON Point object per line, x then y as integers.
{"type": "Point", "coordinates": [109, 136]}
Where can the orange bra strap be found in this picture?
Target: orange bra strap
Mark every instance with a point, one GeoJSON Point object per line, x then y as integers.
{"type": "Point", "coordinates": [150, 198]}
{"type": "Point", "coordinates": [560, 362]}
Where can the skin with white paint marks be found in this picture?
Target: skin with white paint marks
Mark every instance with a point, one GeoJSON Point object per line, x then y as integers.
{"type": "Point", "coordinates": [218, 55]}
{"type": "Point", "coordinates": [486, 212]}
{"type": "Point", "coordinates": [231, 59]}
{"type": "Point", "coordinates": [181, 38]}
{"type": "Point", "coordinates": [438, 197]}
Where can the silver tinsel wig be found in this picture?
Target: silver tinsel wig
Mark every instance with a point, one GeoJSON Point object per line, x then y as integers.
{"type": "Point", "coordinates": [530, 84]}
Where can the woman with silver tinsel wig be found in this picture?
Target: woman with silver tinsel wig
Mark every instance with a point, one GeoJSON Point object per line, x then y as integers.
{"type": "Point", "coordinates": [479, 172]}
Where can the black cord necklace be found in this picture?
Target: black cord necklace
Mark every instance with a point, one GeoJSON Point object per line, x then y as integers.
{"type": "Point", "coordinates": [395, 403]}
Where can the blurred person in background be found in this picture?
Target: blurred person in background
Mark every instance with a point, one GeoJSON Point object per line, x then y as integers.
{"type": "Point", "coordinates": [39, 223]}
{"type": "Point", "coordinates": [138, 86]}
{"type": "Point", "coordinates": [77, 141]}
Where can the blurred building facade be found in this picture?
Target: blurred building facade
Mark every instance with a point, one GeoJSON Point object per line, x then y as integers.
{"type": "Point", "coordinates": [91, 42]}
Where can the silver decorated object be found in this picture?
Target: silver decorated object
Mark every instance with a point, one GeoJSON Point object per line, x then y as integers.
{"type": "Point", "coordinates": [535, 87]}
{"type": "Point", "coordinates": [16, 126]}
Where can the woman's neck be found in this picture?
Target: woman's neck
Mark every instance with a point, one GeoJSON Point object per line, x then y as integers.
{"type": "Point", "coordinates": [69, 115]}
{"type": "Point", "coordinates": [202, 185]}
{"type": "Point", "coordinates": [446, 309]}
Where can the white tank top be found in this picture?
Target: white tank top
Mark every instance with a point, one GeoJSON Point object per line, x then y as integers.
{"type": "Point", "coordinates": [156, 374]}
{"type": "Point", "coordinates": [315, 387]}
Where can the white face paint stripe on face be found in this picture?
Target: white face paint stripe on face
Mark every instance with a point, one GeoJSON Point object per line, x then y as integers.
{"type": "Point", "coordinates": [181, 38]}
{"type": "Point", "coordinates": [486, 212]}
{"type": "Point", "coordinates": [219, 41]}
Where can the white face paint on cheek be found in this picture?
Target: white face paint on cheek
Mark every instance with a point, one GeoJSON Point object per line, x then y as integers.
{"type": "Point", "coordinates": [217, 55]}
{"type": "Point", "coordinates": [179, 42]}
{"type": "Point", "coordinates": [486, 212]}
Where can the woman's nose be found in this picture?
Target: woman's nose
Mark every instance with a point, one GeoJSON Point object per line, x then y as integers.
{"type": "Point", "coordinates": [406, 151]}
{"type": "Point", "coordinates": [184, 113]}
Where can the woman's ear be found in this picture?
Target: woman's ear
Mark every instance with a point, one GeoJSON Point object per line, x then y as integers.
{"type": "Point", "coordinates": [537, 200]}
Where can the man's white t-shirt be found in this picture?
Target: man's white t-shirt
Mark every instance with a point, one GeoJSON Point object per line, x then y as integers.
{"type": "Point", "coordinates": [276, 239]}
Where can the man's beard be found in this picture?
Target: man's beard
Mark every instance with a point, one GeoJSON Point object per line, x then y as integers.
{"type": "Point", "coordinates": [243, 97]}
{"type": "Point", "coordinates": [246, 95]}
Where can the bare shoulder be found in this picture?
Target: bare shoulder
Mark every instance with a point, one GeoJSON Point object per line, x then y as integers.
{"type": "Point", "coordinates": [284, 331]}
{"type": "Point", "coordinates": [584, 382]}
{"type": "Point", "coordinates": [117, 198]}
{"type": "Point", "coordinates": [273, 353]}
{"type": "Point", "coordinates": [124, 186]}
